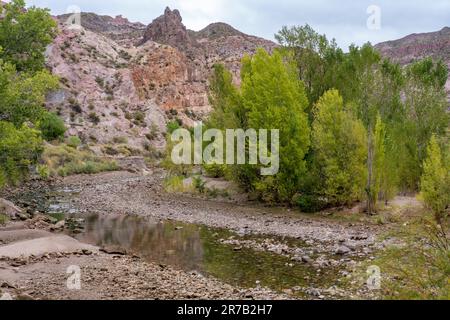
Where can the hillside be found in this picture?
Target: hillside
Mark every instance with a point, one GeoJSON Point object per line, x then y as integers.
{"type": "Point", "coordinates": [125, 81]}
{"type": "Point", "coordinates": [418, 46]}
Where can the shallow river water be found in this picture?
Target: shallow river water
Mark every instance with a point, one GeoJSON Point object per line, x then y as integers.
{"type": "Point", "coordinates": [192, 248]}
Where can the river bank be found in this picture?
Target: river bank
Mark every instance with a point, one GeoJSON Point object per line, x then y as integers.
{"type": "Point", "coordinates": [314, 256]}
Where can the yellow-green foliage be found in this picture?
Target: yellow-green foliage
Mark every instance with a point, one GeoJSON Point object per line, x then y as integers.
{"type": "Point", "coordinates": [435, 183]}
{"type": "Point", "coordinates": [22, 95]}
{"type": "Point", "coordinates": [3, 219]}
{"type": "Point", "coordinates": [215, 170]}
{"type": "Point", "coordinates": [174, 184]}
{"type": "Point", "coordinates": [26, 32]}
{"type": "Point", "coordinates": [63, 160]}
{"type": "Point", "coordinates": [43, 171]}
{"type": "Point", "coordinates": [174, 169]}
{"type": "Point", "coordinates": [19, 148]}
{"type": "Point", "coordinates": [271, 97]}
{"type": "Point", "coordinates": [276, 99]}
{"type": "Point", "coordinates": [340, 147]}
{"type": "Point", "coordinates": [51, 126]}
{"type": "Point", "coordinates": [379, 158]}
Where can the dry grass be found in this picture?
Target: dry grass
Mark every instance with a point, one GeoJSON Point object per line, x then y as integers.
{"type": "Point", "coordinates": [63, 160]}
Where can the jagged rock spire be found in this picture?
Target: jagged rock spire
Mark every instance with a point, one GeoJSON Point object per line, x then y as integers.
{"type": "Point", "coordinates": [169, 29]}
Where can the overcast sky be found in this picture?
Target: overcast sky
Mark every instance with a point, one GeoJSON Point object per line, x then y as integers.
{"type": "Point", "coordinates": [344, 20]}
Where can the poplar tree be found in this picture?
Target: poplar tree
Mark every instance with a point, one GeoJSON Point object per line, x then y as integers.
{"type": "Point", "coordinates": [435, 181]}
{"type": "Point", "coordinates": [340, 148]}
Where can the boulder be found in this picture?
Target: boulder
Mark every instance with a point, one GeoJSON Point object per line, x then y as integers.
{"type": "Point", "coordinates": [42, 246]}
{"type": "Point", "coordinates": [9, 209]}
{"type": "Point", "coordinates": [58, 226]}
{"type": "Point", "coordinates": [343, 250]}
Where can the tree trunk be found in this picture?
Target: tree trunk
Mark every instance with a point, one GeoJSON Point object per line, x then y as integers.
{"type": "Point", "coordinates": [370, 156]}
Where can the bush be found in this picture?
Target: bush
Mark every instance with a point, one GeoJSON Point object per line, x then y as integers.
{"type": "Point", "coordinates": [100, 81]}
{"type": "Point", "coordinates": [3, 219]}
{"type": "Point", "coordinates": [419, 269]}
{"type": "Point", "coordinates": [43, 171]}
{"type": "Point", "coordinates": [174, 184]}
{"type": "Point", "coordinates": [153, 134]}
{"type": "Point", "coordinates": [51, 126]}
{"type": "Point", "coordinates": [64, 161]}
{"type": "Point", "coordinates": [120, 140]}
{"type": "Point", "coordinates": [172, 126]}
{"type": "Point", "coordinates": [199, 184]}
{"type": "Point", "coordinates": [94, 118]}
{"type": "Point", "coordinates": [111, 151]}
{"type": "Point", "coordinates": [73, 142]}
{"type": "Point", "coordinates": [310, 204]}
{"type": "Point", "coordinates": [435, 181]}
{"type": "Point", "coordinates": [139, 116]}
{"type": "Point", "coordinates": [215, 170]}
{"type": "Point", "coordinates": [19, 149]}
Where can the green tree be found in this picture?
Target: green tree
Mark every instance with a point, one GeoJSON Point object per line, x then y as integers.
{"type": "Point", "coordinates": [22, 96]}
{"type": "Point", "coordinates": [435, 181]}
{"type": "Point", "coordinates": [381, 185]}
{"type": "Point", "coordinates": [19, 148]}
{"type": "Point", "coordinates": [228, 113]}
{"type": "Point", "coordinates": [316, 58]}
{"type": "Point", "coordinates": [340, 149]}
{"type": "Point", "coordinates": [24, 35]}
{"type": "Point", "coordinates": [426, 114]}
{"type": "Point", "coordinates": [226, 101]}
{"type": "Point", "coordinates": [24, 83]}
{"type": "Point", "coordinates": [276, 99]}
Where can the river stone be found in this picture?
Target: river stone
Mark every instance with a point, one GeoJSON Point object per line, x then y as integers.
{"type": "Point", "coordinates": [113, 250]}
{"type": "Point", "coordinates": [59, 225]}
{"type": "Point", "coordinates": [343, 250]}
{"type": "Point", "coordinates": [8, 208]}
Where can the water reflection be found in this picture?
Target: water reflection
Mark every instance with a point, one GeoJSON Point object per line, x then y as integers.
{"type": "Point", "coordinates": [186, 246]}
{"type": "Point", "coordinates": [192, 247]}
{"type": "Point", "coordinates": [164, 243]}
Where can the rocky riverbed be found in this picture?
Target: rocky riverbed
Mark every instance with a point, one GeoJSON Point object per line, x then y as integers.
{"type": "Point", "coordinates": [314, 256]}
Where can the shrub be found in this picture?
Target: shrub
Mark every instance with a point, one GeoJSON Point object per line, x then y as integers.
{"type": "Point", "coordinates": [172, 126]}
{"type": "Point", "coordinates": [310, 204]}
{"type": "Point", "coordinates": [94, 118]}
{"type": "Point", "coordinates": [100, 81]}
{"type": "Point", "coordinates": [43, 171]}
{"type": "Point", "coordinates": [63, 160]}
{"type": "Point", "coordinates": [73, 142]}
{"type": "Point", "coordinates": [120, 140]}
{"type": "Point", "coordinates": [174, 184]}
{"type": "Point", "coordinates": [111, 151]}
{"type": "Point", "coordinates": [435, 181]}
{"type": "Point", "coordinates": [153, 134]}
{"type": "Point", "coordinates": [128, 116]}
{"type": "Point", "coordinates": [215, 170]}
{"type": "Point", "coordinates": [419, 269]}
{"type": "Point", "coordinates": [51, 126]}
{"type": "Point", "coordinates": [3, 219]}
{"type": "Point", "coordinates": [199, 184]}
{"type": "Point", "coordinates": [19, 148]}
